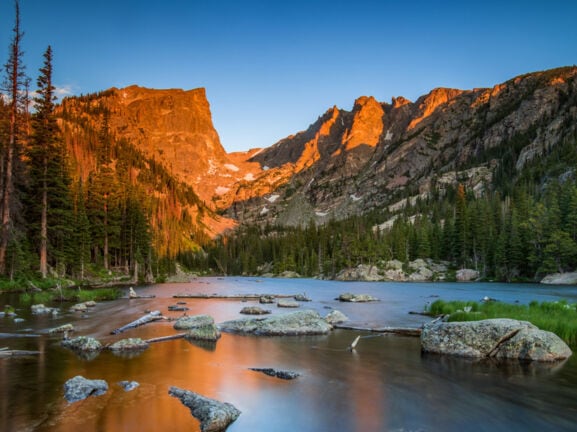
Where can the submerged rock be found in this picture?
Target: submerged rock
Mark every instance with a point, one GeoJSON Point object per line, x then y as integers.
{"type": "Point", "coordinates": [496, 338]}
{"type": "Point", "coordinates": [286, 375]}
{"type": "Point", "coordinates": [177, 308]}
{"type": "Point", "coordinates": [128, 385]}
{"type": "Point", "coordinates": [356, 298]}
{"type": "Point", "coordinates": [79, 388]}
{"type": "Point", "coordinates": [214, 416]}
{"type": "Point", "coordinates": [305, 322]}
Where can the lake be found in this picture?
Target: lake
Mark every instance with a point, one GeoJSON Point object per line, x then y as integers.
{"type": "Point", "coordinates": [386, 384]}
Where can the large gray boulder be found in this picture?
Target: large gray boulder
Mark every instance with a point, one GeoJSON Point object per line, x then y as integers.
{"type": "Point", "coordinates": [466, 275]}
{"type": "Point", "coordinates": [214, 416]}
{"type": "Point", "coordinates": [79, 388]}
{"type": "Point", "coordinates": [497, 338]}
{"type": "Point", "coordinates": [305, 322]}
{"type": "Point", "coordinates": [560, 279]}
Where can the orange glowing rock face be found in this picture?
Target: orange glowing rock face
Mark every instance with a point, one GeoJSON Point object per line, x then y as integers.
{"type": "Point", "coordinates": [432, 101]}
{"type": "Point", "coordinates": [367, 126]}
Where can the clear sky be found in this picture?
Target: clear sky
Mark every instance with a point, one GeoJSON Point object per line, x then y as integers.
{"type": "Point", "coordinates": [270, 68]}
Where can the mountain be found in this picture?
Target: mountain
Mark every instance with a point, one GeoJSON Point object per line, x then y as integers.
{"type": "Point", "coordinates": [160, 142]}
{"type": "Point", "coordinates": [380, 154]}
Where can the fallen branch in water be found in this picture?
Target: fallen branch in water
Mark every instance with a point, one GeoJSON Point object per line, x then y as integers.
{"type": "Point", "coordinates": [354, 344]}
{"type": "Point", "coordinates": [149, 317]}
{"type": "Point", "coordinates": [6, 352]}
{"type": "Point", "coordinates": [403, 331]}
{"type": "Point", "coordinates": [166, 338]}
{"type": "Point", "coordinates": [233, 296]}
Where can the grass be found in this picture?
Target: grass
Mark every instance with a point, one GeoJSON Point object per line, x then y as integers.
{"type": "Point", "coordinates": [559, 317]}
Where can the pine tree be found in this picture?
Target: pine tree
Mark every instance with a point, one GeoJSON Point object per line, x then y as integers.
{"type": "Point", "coordinates": [15, 82]}
{"type": "Point", "coordinates": [50, 202]}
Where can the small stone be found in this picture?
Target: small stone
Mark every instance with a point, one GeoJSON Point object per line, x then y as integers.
{"type": "Point", "coordinates": [286, 375]}
{"type": "Point", "coordinates": [287, 304]}
{"type": "Point", "coordinates": [254, 310]}
{"type": "Point", "coordinates": [128, 385]}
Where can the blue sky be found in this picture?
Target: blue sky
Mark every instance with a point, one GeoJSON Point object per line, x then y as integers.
{"type": "Point", "coordinates": [270, 68]}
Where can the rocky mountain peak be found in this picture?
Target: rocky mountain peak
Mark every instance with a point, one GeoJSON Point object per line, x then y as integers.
{"type": "Point", "coordinates": [367, 125]}
{"type": "Point", "coordinates": [429, 103]}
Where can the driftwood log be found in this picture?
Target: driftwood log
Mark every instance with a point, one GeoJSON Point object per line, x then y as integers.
{"type": "Point", "coordinates": [233, 296]}
{"type": "Point", "coordinates": [7, 352]}
{"type": "Point", "coordinates": [402, 331]}
{"type": "Point", "coordinates": [166, 338]}
{"type": "Point", "coordinates": [149, 317]}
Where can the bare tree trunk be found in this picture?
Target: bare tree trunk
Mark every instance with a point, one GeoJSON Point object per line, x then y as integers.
{"type": "Point", "coordinates": [14, 71]}
{"type": "Point", "coordinates": [44, 224]}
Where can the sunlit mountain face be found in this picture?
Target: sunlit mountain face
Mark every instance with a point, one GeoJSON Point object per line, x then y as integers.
{"type": "Point", "coordinates": [378, 155]}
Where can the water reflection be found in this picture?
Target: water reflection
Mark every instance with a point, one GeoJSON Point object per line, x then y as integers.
{"type": "Point", "coordinates": [384, 385]}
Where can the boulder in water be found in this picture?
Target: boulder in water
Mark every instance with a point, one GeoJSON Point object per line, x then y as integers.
{"type": "Point", "coordinates": [79, 388]}
{"type": "Point", "coordinates": [496, 338]}
{"type": "Point", "coordinates": [214, 416]}
{"type": "Point", "coordinates": [305, 322]}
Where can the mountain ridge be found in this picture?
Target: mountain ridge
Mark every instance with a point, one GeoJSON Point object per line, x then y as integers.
{"type": "Point", "coordinates": [349, 162]}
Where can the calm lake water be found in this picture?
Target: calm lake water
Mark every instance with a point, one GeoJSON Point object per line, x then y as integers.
{"type": "Point", "coordinates": [385, 385]}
